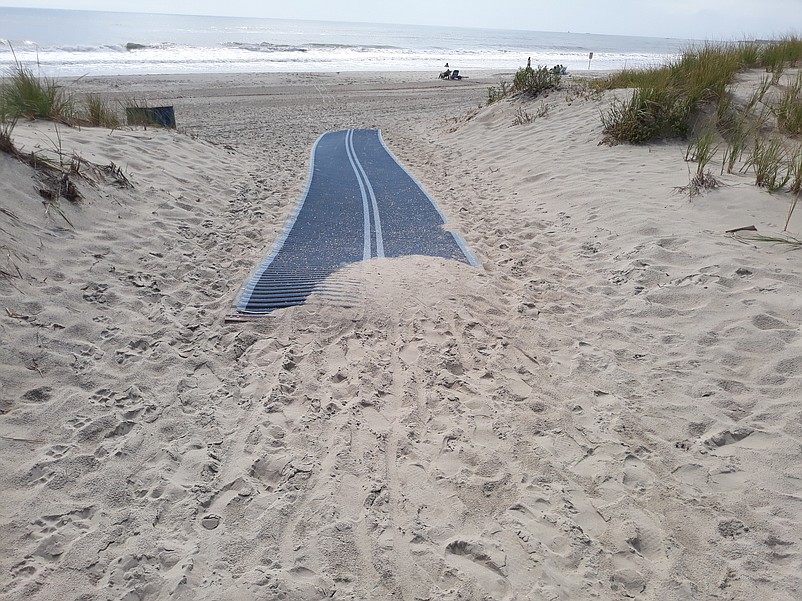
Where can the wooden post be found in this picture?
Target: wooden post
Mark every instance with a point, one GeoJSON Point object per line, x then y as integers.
{"type": "Point", "coordinates": [590, 58]}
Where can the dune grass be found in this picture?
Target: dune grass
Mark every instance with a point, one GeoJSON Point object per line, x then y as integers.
{"type": "Point", "coordinates": [795, 170]}
{"type": "Point", "coordinates": [7, 123]}
{"type": "Point", "coordinates": [702, 150]}
{"type": "Point", "coordinates": [667, 98]}
{"type": "Point", "coordinates": [535, 82]}
{"type": "Point", "coordinates": [650, 113]}
{"type": "Point", "coordinates": [737, 136]}
{"type": "Point", "coordinates": [789, 107]}
{"type": "Point", "coordinates": [530, 81]}
{"type": "Point", "coordinates": [6, 127]}
{"type": "Point", "coordinates": [769, 160]}
{"type": "Point", "coordinates": [786, 50]}
{"type": "Point", "coordinates": [100, 112]}
{"type": "Point", "coordinates": [496, 93]}
{"type": "Point", "coordinates": [27, 95]}
{"type": "Point", "coordinates": [794, 180]}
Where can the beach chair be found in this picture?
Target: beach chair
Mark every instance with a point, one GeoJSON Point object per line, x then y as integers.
{"type": "Point", "coordinates": [455, 74]}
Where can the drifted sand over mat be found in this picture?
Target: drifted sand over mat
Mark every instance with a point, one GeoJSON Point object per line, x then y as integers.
{"type": "Point", "coordinates": [609, 409]}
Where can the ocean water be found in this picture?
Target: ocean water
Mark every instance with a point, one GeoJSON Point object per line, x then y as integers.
{"type": "Point", "coordinates": [77, 43]}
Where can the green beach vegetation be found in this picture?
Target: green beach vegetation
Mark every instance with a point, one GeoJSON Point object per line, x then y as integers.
{"type": "Point", "coordinates": [789, 107]}
{"type": "Point", "coordinates": [532, 82]}
{"type": "Point", "coordinates": [100, 112]}
{"type": "Point", "coordinates": [695, 97]}
{"type": "Point", "coordinates": [27, 95]}
{"type": "Point", "coordinates": [669, 99]}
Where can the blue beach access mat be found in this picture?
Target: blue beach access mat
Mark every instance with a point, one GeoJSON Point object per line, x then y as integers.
{"type": "Point", "coordinates": [359, 203]}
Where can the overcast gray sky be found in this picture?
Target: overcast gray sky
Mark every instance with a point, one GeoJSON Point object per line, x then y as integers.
{"type": "Point", "coordinates": [711, 19]}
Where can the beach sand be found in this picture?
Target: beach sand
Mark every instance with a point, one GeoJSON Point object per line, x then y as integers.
{"type": "Point", "coordinates": [608, 409]}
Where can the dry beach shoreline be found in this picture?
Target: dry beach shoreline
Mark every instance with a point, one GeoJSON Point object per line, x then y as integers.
{"type": "Point", "coordinates": [608, 409]}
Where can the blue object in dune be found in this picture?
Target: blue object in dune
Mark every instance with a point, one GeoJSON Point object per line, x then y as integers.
{"type": "Point", "coordinates": [163, 116]}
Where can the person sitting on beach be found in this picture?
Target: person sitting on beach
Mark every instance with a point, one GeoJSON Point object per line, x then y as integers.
{"type": "Point", "coordinates": [446, 74]}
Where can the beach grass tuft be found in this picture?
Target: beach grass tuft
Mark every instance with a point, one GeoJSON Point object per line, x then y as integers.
{"type": "Point", "coordinates": [100, 112]}
{"type": "Point", "coordinates": [702, 150]}
{"type": "Point", "coordinates": [7, 123]}
{"type": "Point", "coordinates": [789, 108]}
{"type": "Point", "coordinates": [795, 170]}
{"type": "Point", "coordinates": [496, 93]}
{"type": "Point", "coordinates": [785, 50]}
{"type": "Point", "coordinates": [528, 81]}
{"type": "Point", "coordinates": [795, 179]}
{"type": "Point", "coordinates": [24, 94]}
{"type": "Point", "coordinates": [737, 137]}
{"type": "Point", "coordinates": [701, 182]}
{"type": "Point", "coordinates": [651, 112]}
{"type": "Point", "coordinates": [538, 81]}
{"type": "Point", "coordinates": [522, 117]}
{"type": "Point", "coordinates": [769, 160]}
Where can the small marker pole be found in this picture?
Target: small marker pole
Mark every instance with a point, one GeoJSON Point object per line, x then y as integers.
{"type": "Point", "coordinates": [590, 58]}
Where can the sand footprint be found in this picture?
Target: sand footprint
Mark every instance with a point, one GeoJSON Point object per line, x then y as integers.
{"type": "Point", "coordinates": [482, 561]}
{"type": "Point", "coordinates": [636, 473]}
{"type": "Point", "coordinates": [539, 529]}
{"type": "Point", "coordinates": [134, 351]}
{"type": "Point", "coordinates": [59, 450]}
{"type": "Point", "coordinates": [38, 395]}
{"type": "Point", "coordinates": [24, 574]}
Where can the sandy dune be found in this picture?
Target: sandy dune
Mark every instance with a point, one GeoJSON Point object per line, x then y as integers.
{"type": "Point", "coordinates": [608, 409]}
